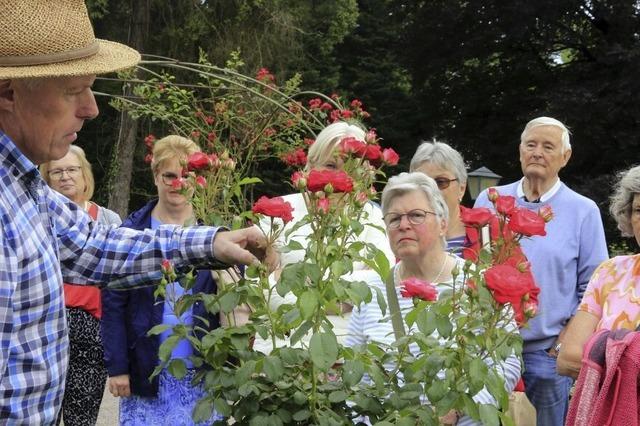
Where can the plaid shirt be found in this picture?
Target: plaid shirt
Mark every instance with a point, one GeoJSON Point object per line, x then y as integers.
{"type": "Point", "coordinates": [44, 238]}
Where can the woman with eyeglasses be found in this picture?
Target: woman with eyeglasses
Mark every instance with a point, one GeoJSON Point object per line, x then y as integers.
{"type": "Point", "coordinates": [130, 354]}
{"type": "Point", "coordinates": [86, 375]}
{"type": "Point", "coordinates": [416, 218]}
{"type": "Point", "coordinates": [445, 165]}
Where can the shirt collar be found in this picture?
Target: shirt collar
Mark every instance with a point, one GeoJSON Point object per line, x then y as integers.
{"type": "Point", "coordinates": [14, 160]}
{"type": "Point", "coordinates": [544, 197]}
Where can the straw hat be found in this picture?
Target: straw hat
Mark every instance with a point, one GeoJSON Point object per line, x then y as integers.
{"type": "Point", "coordinates": [54, 38]}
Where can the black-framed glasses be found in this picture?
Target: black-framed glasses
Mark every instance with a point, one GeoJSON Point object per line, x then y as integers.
{"type": "Point", "coordinates": [168, 178]}
{"type": "Point", "coordinates": [443, 182]}
{"type": "Point", "coordinates": [415, 217]}
{"type": "Point", "coordinates": [72, 172]}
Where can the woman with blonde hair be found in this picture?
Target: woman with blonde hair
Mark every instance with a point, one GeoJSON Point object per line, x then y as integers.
{"type": "Point", "coordinates": [131, 355]}
{"type": "Point", "coordinates": [86, 375]}
{"type": "Point", "coordinates": [322, 156]}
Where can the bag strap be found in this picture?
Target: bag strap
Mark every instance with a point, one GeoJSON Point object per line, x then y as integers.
{"type": "Point", "coordinates": [394, 306]}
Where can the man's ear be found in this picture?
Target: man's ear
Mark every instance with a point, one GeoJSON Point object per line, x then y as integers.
{"type": "Point", "coordinates": [6, 95]}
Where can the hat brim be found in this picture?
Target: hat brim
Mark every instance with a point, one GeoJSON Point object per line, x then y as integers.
{"type": "Point", "coordinates": [111, 57]}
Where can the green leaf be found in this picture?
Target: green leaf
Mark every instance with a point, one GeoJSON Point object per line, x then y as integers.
{"type": "Point", "coordinates": [382, 301]}
{"type": "Point", "coordinates": [249, 181]}
{"type": "Point", "coordinates": [272, 367]}
{"type": "Point", "coordinates": [301, 415]}
{"type": "Point", "coordinates": [437, 390]}
{"type": "Point", "coordinates": [352, 372]}
{"type": "Point", "coordinates": [244, 373]}
{"type": "Point", "coordinates": [426, 321]}
{"type": "Point", "coordinates": [229, 301]}
{"type": "Point", "coordinates": [443, 323]}
{"type": "Point", "coordinates": [158, 329]}
{"type": "Point", "coordinates": [177, 368]}
{"type": "Point", "coordinates": [308, 302]}
{"type": "Point", "coordinates": [337, 396]}
{"type": "Point", "coordinates": [300, 332]}
{"type": "Point", "coordinates": [299, 398]}
{"type": "Point", "coordinates": [489, 415]}
{"type": "Point", "coordinates": [356, 226]}
{"type": "Point", "coordinates": [323, 349]}
{"type": "Point", "coordinates": [203, 410]}
{"type": "Point", "coordinates": [293, 245]}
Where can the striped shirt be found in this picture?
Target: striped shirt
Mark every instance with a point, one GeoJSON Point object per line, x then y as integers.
{"type": "Point", "coordinates": [45, 238]}
{"type": "Point", "coordinates": [367, 324]}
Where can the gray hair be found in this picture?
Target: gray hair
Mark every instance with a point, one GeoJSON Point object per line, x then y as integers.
{"type": "Point", "coordinates": [548, 121]}
{"type": "Point", "coordinates": [442, 155]}
{"type": "Point", "coordinates": [408, 182]}
{"type": "Point", "coordinates": [621, 201]}
{"type": "Point", "coordinates": [328, 139]}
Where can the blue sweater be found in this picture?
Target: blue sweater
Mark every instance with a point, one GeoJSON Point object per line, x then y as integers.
{"type": "Point", "coordinates": [127, 316]}
{"type": "Point", "coordinates": [562, 261]}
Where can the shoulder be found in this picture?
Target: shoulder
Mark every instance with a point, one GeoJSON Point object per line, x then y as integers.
{"type": "Point", "coordinates": [509, 189]}
{"type": "Point", "coordinates": [568, 195]}
{"type": "Point", "coordinates": [110, 217]}
{"type": "Point", "coordinates": [139, 218]}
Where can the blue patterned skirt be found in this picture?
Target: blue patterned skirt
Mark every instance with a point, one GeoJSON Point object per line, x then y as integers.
{"type": "Point", "coordinates": [173, 406]}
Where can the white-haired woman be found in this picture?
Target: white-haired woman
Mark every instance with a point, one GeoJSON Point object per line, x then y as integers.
{"type": "Point", "coordinates": [610, 301]}
{"type": "Point", "coordinates": [86, 375]}
{"type": "Point", "coordinates": [322, 155]}
{"type": "Point", "coordinates": [446, 167]}
{"type": "Point", "coordinates": [416, 217]}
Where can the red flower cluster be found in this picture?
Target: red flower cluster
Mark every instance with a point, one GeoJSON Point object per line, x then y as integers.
{"type": "Point", "coordinates": [509, 277]}
{"type": "Point", "coordinates": [202, 161]}
{"type": "Point", "coordinates": [264, 75]}
{"type": "Point", "coordinates": [414, 287]}
{"type": "Point", "coordinates": [329, 181]}
{"type": "Point", "coordinates": [274, 207]}
{"type": "Point", "coordinates": [509, 285]}
{"type": "Point", "coordinates": [368, 151]}
{"type": "Point", "coordinates": [295, 158]}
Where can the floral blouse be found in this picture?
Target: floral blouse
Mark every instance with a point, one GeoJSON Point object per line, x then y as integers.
{"type": "Point", "coordinates": [613, 293]}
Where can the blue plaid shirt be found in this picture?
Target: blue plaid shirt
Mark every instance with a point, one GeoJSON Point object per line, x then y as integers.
{"type": "Point", "coordinates": [44, 238]}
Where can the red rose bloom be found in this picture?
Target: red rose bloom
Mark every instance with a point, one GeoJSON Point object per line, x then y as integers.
{"type": "Point", "coordinates": [509, 285]}
{"type": "Point", "coordinates": [505, 204]}
{"type": "Point", "coordinates": [527, 223]}
{"type": "Point", "coordinates": [373, 153]}
{"type": "Point", "coordinates": [295, 158]}
{"type": "Point", "coordinates": [274, 207]}
{"type": "Point", "coordinates": [351, 145]}
{"type": "Point", "coordinates": [198, 161]}
{"type": "Point", "coordinates": [546, 213]}
{"type": "Point", "coordinates": [477, 217]}
{"type": "Point", "coordinates": [390, 157]}
{"type": "Point", "coordinates": [338, 179]}
{"type": "Point", "coordinates": [323, 205]}
{"type": "Point", "coordinates": [414, 287]}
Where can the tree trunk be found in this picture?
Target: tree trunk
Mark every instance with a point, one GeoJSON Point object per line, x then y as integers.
{"type": "Point", "coordinates": [122, 161]}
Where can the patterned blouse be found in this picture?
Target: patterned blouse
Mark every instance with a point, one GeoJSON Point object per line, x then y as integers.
{"type": "Point", "coordinates": [613, 293]}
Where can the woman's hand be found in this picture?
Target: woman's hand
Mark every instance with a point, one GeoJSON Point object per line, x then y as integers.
{"type": "Point", "coordinates": [579, 330]}
{"type": "Point", "coordinates": [119, 385]}
{"type": "Point", "coordinates": [451, 418]}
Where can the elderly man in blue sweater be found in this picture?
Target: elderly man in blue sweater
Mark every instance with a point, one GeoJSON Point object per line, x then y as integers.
{"type": "Point", "coordinates": [562, 262]}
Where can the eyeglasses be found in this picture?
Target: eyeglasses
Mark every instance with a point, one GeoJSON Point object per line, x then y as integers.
{"type": "Point", "coordinates": [168, 178]}
{"type": "Point", "coordinates": [443, 183]}
{"type": "Point", "coordinates": [415, 217]}
{"type": "Point", "coordinates": [72, 172]}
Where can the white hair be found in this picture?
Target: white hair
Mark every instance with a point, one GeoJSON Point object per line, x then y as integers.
{"type": "Point", "coordinates": [442, 155]}
{"type": "Point", "coordinates": [328, 138]}
{"type": "Point", "coordinates": [548, 121]}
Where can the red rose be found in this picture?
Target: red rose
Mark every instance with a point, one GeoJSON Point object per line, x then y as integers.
{"type": "Point", "coordinates": [340, 181]}
{"type": "Point", "coordinates": [274, 207]}
{"type": "Point", "coordinates": [315, 103]}
{"type": "Point", "coordinates": [390, 157]}
{"type": "Point", "coordinates": [509, 285]}
{"type": "Point", "coordinates": [149, 140]}
{"type": "Point", "coordinates": [373, 153]}
{"type": "Point", "coordinates": [166, 266]}
{"type": "Point", "coordinates": [492, 194]}
{"type": "Point", "coordinates": [505, 204]}
{"type": "Point", "coordinates": [351, 145]}
{"type": "Point", "coordinates": [414, 287]}
{"type": "Point", "coordinates": [371, 136]}
{"type": "Point", "coordinates": [527, 223]}
{"type": "Point", "coordinates": [299, 180]}
{"type": "Point", "coordinates": [198, 161]}
{"type": "Point", "coordinates": [477, 217]}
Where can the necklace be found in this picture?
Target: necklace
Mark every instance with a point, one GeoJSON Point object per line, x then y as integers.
{"type": "Point", "coordinates": [434, 281]}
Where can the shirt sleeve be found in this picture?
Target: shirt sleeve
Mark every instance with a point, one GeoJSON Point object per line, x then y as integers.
{"type": "Point", "coordinates": [593, 298]}
{"type": "Point", "coordinates": [355, 330]}
{"type": "Point", "coordinates": [593, 249]}
{"type": "Point", "coordinates": [95, 254]}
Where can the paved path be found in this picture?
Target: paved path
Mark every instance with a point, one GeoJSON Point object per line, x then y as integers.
{"type": "Point", "coordinates": [108, 415]}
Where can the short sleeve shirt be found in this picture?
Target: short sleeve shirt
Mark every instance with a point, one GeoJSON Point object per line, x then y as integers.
{"type": "Point", "coordinates": [613, 293]}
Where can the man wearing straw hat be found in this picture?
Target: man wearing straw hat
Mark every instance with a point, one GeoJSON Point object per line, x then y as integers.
{"type": "Point", "coordinates": [49, 58]}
